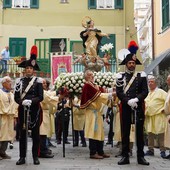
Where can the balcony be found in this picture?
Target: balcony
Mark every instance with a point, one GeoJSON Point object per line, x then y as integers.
{"type": "Point", "coordinates": [14, 71]}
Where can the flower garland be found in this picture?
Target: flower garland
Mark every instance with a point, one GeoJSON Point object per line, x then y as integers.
{"type": "Point", "coordinates": [74, 82]}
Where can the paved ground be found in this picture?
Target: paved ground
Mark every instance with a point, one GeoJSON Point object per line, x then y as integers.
{"type": "Point", "coordinates": [77, 158]}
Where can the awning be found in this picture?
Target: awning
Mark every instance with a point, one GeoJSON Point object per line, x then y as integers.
{"type": "Point", "coordinates": [157, 61]}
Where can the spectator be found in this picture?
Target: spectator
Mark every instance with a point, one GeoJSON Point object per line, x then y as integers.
{"type": "Point", "coordinates": [155, 117]}
{"type": "Point", "coordinates": [5, 56]}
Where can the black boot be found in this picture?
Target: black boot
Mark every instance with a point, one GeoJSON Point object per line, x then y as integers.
{"type": "Point", "coordinates": [36, 161]}
{"type": "Point", "coordinates": [142, 161]}
{"type": "Point", "coordinates": [46, 155]}
{"type": "Point", "coordinates": [124, 161]}
{"type": "Point", "coordinates": [20, 161]}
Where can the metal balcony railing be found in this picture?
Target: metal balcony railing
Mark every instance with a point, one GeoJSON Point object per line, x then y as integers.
{"type": "Point", "coordinates": [14, 71]}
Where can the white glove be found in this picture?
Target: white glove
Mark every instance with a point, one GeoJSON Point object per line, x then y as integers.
{"type": "Point", "coordinates": [110, 96]}
{"type": "Point", "coordinates": [26, 102]}
{"type": "Point", "coordinates": [133, 102]}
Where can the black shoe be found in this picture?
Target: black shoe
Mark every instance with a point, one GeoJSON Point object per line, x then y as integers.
{"type": "Point", "coordinates": [84, 145]}
{"type": "Point", "coordinates": [51, 145]}
{"type": "Point", "coordinates": [20, 161]}
{"type": "Point", "coordinates": [163, 154]}
{"type": "Point", "coordinates": [67, 142]}
{"type": "Point", "coordinates": [142, 161]}
{"type": "Point", "coordinates": [58, 142]}
{"type": "Point", "coordinates": [46, 155]}
{"type": "Point", "coordinates": [11, 146]}
{"type": "Point", "coordinates": [36, 161]}
{"type": "Point", "coordinates": [167, 157]}
{"type": "Point", "coordinates": [124, 161]}
{"type": "Point", "coordinates": [149, 153]}
{"type": "Point", "coordinates": [75, 144]}
{"type": "Point", "coordinates": [109, 143]}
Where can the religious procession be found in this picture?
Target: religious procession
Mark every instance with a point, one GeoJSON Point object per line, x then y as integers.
{"type": "Point", "coordinates": [84, 93]}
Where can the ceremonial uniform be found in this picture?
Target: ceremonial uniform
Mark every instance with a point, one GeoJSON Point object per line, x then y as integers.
{"type": "Point", "coordinates": [28, 93]}
{"type": "Point", "coordinates": [139, 89]}
{"type": "Point", "coordinates": [132, 89]}
{"type": "Point", "coordinates": [35, 94]}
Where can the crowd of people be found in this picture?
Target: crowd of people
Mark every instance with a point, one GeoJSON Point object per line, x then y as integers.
{"type": "Point", "coordinates": [135, 102]}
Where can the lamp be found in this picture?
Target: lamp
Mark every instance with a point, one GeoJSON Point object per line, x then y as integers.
{"type": "Point", "coordinates": [127, 28]}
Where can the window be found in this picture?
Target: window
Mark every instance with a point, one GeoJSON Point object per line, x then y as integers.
{"type": "Point", "coordinates": [17, 46]}
{"type": "Point", "coordinates": [105, 4]}
{"type": "Point", "coordinates": [165, 14]}
{"type": "Point", "coordinates": [21, 4]}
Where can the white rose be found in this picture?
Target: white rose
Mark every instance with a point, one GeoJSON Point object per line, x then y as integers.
{"type": "Point", "coordinates": [100, 83]}
{"type": "Point", "coordinates": [70, 90]}
{"type": "Point", "coordinates": [67, 79]}
{"type": "Point", "coordinates": [102, 80]}
{"type": "Point", "coordinates": [73, 81]}
{"type": "Point", "coordinates": [79, 81]}
{"type": "Point", "coordinates": [74, 87]}
{"type": "Point", "coordinates": [76, 77]}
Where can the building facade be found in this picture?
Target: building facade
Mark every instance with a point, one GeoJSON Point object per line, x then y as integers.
{"type": "Point", "coordinates": [47, 23]}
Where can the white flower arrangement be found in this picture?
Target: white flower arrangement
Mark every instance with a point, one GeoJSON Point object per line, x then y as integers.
{"type": "Point", "coordinates": [74, 82]}
{"type": "Point", "coordinates": [107, 48]}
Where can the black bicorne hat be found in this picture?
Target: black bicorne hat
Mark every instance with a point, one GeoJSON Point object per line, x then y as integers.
{"type": "Point", "coordinates": [32, 61]}
{"type": "Point", "coordinates": [130, 57]}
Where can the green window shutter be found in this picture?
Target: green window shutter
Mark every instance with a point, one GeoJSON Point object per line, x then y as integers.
{"type": "Point", "coordinates": [112, 40]}
{"type": "Point", "coordinates": [7, 3]}
{"type": "Point", "coordinates": [17, 47]}
{"type": "Point", "coordinates": [34, 4]}
{"type": "Point", "coordinates": [165, 13]}
{"type": "Point", "coordinates": [118, 4]}
{"type": "Point", "coordinates": [91, 4]}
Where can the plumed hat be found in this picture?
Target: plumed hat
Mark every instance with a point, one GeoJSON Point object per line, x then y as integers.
{"type": "Point", "coordinates": [132, 47]}
{"type": "Point", "coordinates": [32, 61]}
{"type": "Point", "coordinates": [130, 57]}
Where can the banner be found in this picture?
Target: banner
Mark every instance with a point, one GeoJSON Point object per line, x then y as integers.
{"type": "Point", "coordinates": [60, 64]}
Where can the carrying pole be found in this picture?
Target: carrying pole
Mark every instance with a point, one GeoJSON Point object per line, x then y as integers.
{"type": "Point", "coordinates": [63, 127]}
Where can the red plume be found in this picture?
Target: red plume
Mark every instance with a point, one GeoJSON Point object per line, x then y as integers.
{"type": "Point", "coordinates": [33, 53]}
{"type": "Point", "coordinates": [132, 47]}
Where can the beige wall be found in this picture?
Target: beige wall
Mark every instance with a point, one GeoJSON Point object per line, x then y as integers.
{"type": "Point", "coordinates": [55, 20]}
{"type": "Point", "coordinates": [162, 41]}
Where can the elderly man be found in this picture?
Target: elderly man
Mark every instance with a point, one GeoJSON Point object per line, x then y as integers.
{"type": "Point", "coordinates": [155, 118]}
{"type": "Point", "coordinates": [7, 113]}
{"type": "Point", "coordinates": [91, 102]}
